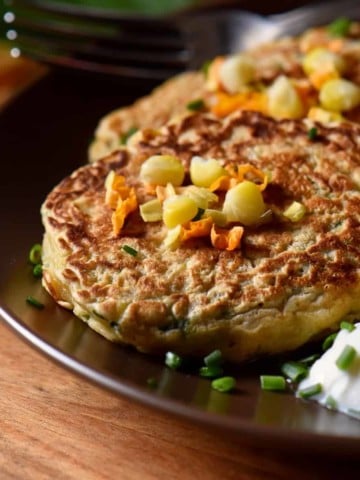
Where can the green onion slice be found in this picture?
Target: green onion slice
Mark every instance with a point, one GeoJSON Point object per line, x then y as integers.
{"type": "Point", "coordinates": [199, 214]}
{"type": "Point", "coordinates": [294, 371]}
{"type": "Point", "coordinates": [35, 254]}
{"type": "Point", "coordinates": [328, 342]}
{"type": "Point", "coordinates": [205, 67]}
{"type": "Point", "coordinates": [34, 303]}
{"type": "Point", "coordinates": [308, 361]}
{"type": "Point", "coordinates": [196, 105]}
{"type": "Point", "coordinates": [214, 359]}
{"type": "Point", "coordinates": [339, 27]}
{"type": "Point", "coordinates": [224, 384]}
{"type": "Point", "coordinates": [331, 403]}
{"type": "Point", "coordinates": [125, 137]}
{"type": "Point", "coordinates": [346, 357]}
{"type": "Point", "coordinates": [37, 270]}
{"type": "Point", "coordinates": [310, 391]}
{"type": "Point", "coordinates": [312, 133]}
{"type": "Point", "coordinates": [347, 326]}
{"type": "Point", "coordinates": [172, 360]}
{"type": "Point", "coordinates": [211, 372]}
{"type": "Point", "coordinates": [272, 382]}
{"type": "Point", "coordinates": [130, 250]}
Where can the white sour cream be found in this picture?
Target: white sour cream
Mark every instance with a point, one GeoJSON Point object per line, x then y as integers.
{"type": "Point", "coordinates": [340, 388]}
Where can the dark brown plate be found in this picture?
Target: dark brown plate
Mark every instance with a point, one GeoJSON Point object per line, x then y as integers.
{"type": "Point", "coordinates": [43, 137]}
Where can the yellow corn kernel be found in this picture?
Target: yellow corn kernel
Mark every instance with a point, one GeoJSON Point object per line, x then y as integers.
{"type": "Point", "coordinates": [339, 95]}
{"type": "Point", "coordinates": [218, 217]}
{"type": "Point", "coordinates": [236, 72]}
{"type": "Point", "coordinates": [244, 203]}
{"type": "Point", "coordinates": [322, 59]}
{"type": "Point", "coordinates": [284, 100]}
{"type": "Point", "coordinates": [173, 237]}
{"type": "Point", "coordinates": [295, 212]}
{"type": "Point", "coordinates": [203, 172]}
{"type": "Point", "coordinates": [162, 169]}
{"type": "Point", "coordinates": [201, 196]}
{"type": "Point", "coordinates": [178, 210]}
{"type": "Point", "coordinates": [151, 211]}
{"type": "Point", "coordinates": [325, 116]}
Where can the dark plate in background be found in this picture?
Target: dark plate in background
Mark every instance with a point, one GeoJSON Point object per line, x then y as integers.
{"type": "Point", "coordinates": [44, 135]}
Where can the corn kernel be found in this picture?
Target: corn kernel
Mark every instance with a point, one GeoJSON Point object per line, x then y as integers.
{"type": "Point", "coordinates": [173, 237]}
{"type": "Point", "coordinates": [339, 95]}
{"type": "Point", "coordinates": [321, 59]}
{"type": "Point", "coordinates": [283, 99]}
{"type": "Point", "coordinates": [162, 169]}
{"type": "Point", "coordinates": [178, 210]}
{"type": "Point", "coordinates": [244, 203]}
{"type": "Point", "coordinates": [151, 211]}
{"type": "Point", "coordinates": [218, 217]}
{"type": "Point", "coordinates": [201, 196]}
{"type": "Point", "coordinates": [203, 172]}
{"type": "Point", "coordinates": [236, 72]}
{"type": "Point", "coordinates": [295, 212]}
{"type": "Point", "coordinates": [325, 116]}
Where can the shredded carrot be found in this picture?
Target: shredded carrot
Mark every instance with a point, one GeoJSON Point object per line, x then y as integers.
{"type": "Point", "coordinates": [319, 77]}
{"type": "Point", "coordinates": [124, 207]}
{"type": "Point", "coordinates": [226, 104]}
{"type": "Point", "coordinates": [336, 45]}
{"type": "Point", "coordinates": [237, 175]}
{"type": "Point", "coordinates": [224, 239]}
{"type": "Point", "coordinates": [200, 228]}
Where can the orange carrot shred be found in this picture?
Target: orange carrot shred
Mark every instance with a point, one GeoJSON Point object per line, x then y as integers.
{"type": "Point", "coordinates": [224, 239]}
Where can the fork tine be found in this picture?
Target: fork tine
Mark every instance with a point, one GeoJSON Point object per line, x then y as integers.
{"type": "Point", "coordinates": [116, 47]}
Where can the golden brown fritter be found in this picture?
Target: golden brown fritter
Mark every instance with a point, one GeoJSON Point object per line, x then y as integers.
{"type": "Point", "coordinates": [287, 284]}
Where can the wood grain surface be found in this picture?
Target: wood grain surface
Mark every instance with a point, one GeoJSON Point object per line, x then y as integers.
{"type": "Point", "coordinates": [55, 425]}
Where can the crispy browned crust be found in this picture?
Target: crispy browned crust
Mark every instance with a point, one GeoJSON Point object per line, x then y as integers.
{"type": "Point", "coordinates": [280, 57]}
{"type": "Point", "coordinates": [288, 283]}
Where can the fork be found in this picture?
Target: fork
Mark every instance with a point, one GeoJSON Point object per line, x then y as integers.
{"type": "Point", "coordinates": [157, 48]}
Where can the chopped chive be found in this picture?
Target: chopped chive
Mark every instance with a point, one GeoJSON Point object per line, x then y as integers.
{"type": "Point", "coordinates": [312, 133]}
{"type": "Point", "coordinates": [35, 303]}
{"type": "Point", "coordinates": [328, 342]}
{"type": "Point", "coordinates": [347, 326]}
{"type": "Point", "coordinates": [310, 391]}
{"type": "Point", "coordinates": [130, 250]}
{"type": "Point", "coordinates": [224, 384]}
{"type": "Point", "coordinates": [172, 360]}
{"type": "Point", "coordinates": [211, 372]}
{"type": "Point", "coordinates": [308, 361]}
{"type": "Point", "coordinates": [199, 214]}
{"type": "Point", "coordinates": [294, 371]}
{"type": "Point", "coordinates": [125, 137]}
{"type": "Point", "coordinates": [205, 67]}
{"type": "Point", "coordinates": [214, 359]}
{"type": "Point", "coordinates": [272, 382]}
{"type": "Point", "coordinates": [152, 382]}
{"type": "Point", "coordinates": [35, 254]}
{"type": "Point", "coordinates": [331, 403]}
{"type": "Point", "coordinates": [37, 270]}
{"type": "Point", "coordinates": [196, 105]}
{"type": "Point", "coordinates": [339, 27]}
{"type": "Point", "coordinates": [346, 357]}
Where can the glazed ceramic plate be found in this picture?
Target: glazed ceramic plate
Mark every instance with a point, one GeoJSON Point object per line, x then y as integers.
{"type": "Point", "coordinates": [44, 135]}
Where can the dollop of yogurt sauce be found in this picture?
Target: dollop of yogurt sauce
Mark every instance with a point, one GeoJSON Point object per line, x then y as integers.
{"type": "Point", "coordinates": [335, 376]}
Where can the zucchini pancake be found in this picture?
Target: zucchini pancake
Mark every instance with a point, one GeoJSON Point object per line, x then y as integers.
{"type": "Point", "coordinates": [239, 233]}
{"type": "Point", "coordinates": [314, 75]}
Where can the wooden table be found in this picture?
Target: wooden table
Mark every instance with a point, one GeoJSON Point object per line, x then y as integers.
{"type": "Point", "coordinates": [54, 425]}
